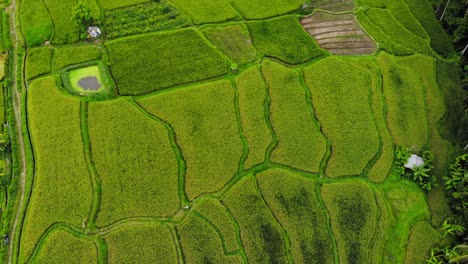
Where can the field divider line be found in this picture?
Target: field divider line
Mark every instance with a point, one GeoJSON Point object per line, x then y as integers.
{"type": "Point", "coordinates": [283, 231]}
{"type": "Point", "coordinates": [92, 170]}
{"type": "Point", "coordinates": [181, 163]}
{"type": "Point", "coordinates": [240, 129]}
{"type": "Point", "coordinates": [176, 240]}
{"type": "Point", "coordinates": [327, 222]}
{"type": "Point", "coordinates": [238, 233]}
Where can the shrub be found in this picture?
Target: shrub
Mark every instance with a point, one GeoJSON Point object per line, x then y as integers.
{"type": "Point", "coordinates": [284, 39]}
{"type": "Point", "coordinates": [201, 243]}
{"type": "Point", "coordinates": [62, 186]}
{"type": "Point", "coordinates": [353, 216]}
{"type": "Point", "coordinates": [72, 55]}
{"type": "Point", "coordinates": [253, 114]}
{"type": "Point", "coordinates": [207, 11]}
{"type": "Point", "coordinates": [144, 243]}
{"type": "Point", "coordinates": [210, 143]}
{"type": "Point", "coordinates": [233, 41]}
{"type": "Point", "coordinates": [293, 202]}
{"type": "Point", "coordinates": [64, 247]}
{"type": "Point", "coordinates": [261, 235]}
{"type": "Point", "coordinates": [141, 18]}
{"type": "Point", "coordinates": [36, 22]}
{"type": "Point", "coordinates": [265, 8]}
{"type": "Point", "coordinates": [38, 62]}
{"type": "Point", "coordinates": [456, 185]}
{"type": "Point", "coordinates": [420, 175]}
{"type": "Point", "coordinates": [180, 57]}
{"type": "Point", "coordinates": [65, 31]}
{"type": "Point", "coordinates": [343, 108]}
{"type": "Point", "coordinates": [300, 143]}
{"type": "Point", "coordinates": [137, 166]}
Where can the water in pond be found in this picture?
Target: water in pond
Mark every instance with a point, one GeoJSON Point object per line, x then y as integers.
{"type": "Point", "coordinates": [90, 83]}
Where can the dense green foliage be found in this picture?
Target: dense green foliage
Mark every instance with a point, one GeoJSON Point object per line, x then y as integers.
{"type": "Point", "coordinates": [38, 62]}
{"type": "Point", "coordinates": [201, 243]}
{"type": "Point", "coordinates": [284, 39]}
{"type": "Point", "coordinates": [180, 57]}
{"type": "Point", "coordinates": [252, 99]}
{"type": "Point", "coordinates": [63, 247]}
{"type": "Point", "coordinates": [149, 243]}
{"type": "Point", "coordinates": [36, 22]}
{"type": "Point", "coordinates": [142, 18]}
{"type": "Point", "coordinates": [233, 41]}
{"type": "Point", "coordinates": [83, 18]}
{"type": "Point", "coordinates": [137, 166]}
{"type": "Point", "coordinates": [210, 143]}
{"type": "Point", "coordinates": [353, 216]}
{"type": "Point", "coordinates": [347, 121]}
{"type": "Point", "coordinates": [71, 55]}
{"type": "Point", "coordinates": [207, 11]}
{"type": "Point", "coordinates": [294, 204]}
{"type": "Point", "coordinates": [62, 187]}
{"type": "Point", "coordinates": [301, 145]}
{"type": "Point", "coordinates": [265, 8]}
{"type": "Point", "coordinates": [262, 236]}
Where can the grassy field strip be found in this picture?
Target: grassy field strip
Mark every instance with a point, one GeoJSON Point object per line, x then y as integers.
{"type": "Point", "coordinates": [38, 62]}
{"type": "Point", "coordinates": [335, 5]}
{"type": "Point", "coordinates": [347, 121]}
{"type": "Point", "coordinates": [201, 242]}
{"type": "Point", "coordinates": [176, 239]}
{"type": "Point", "coordinates": [425, 68]}
{"type": "Point", "coordinates": [65, 56]}
{"type": "Point", "coordinates": [408, 206]}
{"type": "Point", "coordinates": [240, 129]}
{"type": "Point", "coordinates": [142, 244]}
{"type": "Point", "coordinates": [65, 31]}
{"type": "Point", "coordinates": [262, 9]}
{"type": "Point", "coordinates": [383, 223]}
{"type": "Point", "coordinates": [312, 111]}
{"type": "Point", "coordinates": [353, 218]}
{"type": "Point", "coordinates": [291, 199]}
{"type": "Point", "coordinates": [301, 146]}
{"type": "Point", "coordinates": [137, 166]}
{"type": "Point", "coordinates": [36, 22]}
{"type": "Point", "coordinates": [206, 11]}
{"type": "Point", "coordinates": [251, 94]}
{"type": "Point", "coordinates": [423, 237]}
{"type": "Point", "coordinates": [182, 165]}
{"type": "Point", "coordinates": [406, 114]}
{"type": "Point", "coordinates": [210, 144]}
{"type": "Point", "coordinates": [93, 173]}
{"type": "Point", "coordinates": [57, 150]}
{"type": "Point", "coordinates": [379, 167]}
{"type": "Point", "coordinates": [263, 238]}
{"type": "Point", "coordinates": [402, 13]}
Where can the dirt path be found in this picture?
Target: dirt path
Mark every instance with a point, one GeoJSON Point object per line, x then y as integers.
{"type": "Point", "coordinates": [17, 111]}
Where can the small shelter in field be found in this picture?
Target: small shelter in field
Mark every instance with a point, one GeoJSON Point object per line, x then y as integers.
{"type": "Point", "coordinates": [93, 32]}
{"type": "Point", "coordinates": [414, 161]}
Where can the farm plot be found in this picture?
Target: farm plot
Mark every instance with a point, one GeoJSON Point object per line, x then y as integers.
{"type": "Point", "coordinates": [353, 215]}
{"type": "Point", "coordinates": [340, 34]}
{"type": "Point", "coordinates": [62, 187]}
{"type": "Point", "coordinates": [205, 126]}
{"type": "Point", "coordinates": [65, 31]}
{"type": "Point", "coordinates": [292, 200]}
{"type": "Point", "coordinates": [253, 114]}
{"type": "Point", "coordinates": [138, 66]}
{"type": "Point", "coordinates": [72, 55]}
{"type": "Point", "coordinates": [346, 120]}
{"type": "Point", "coordinates": [213, 212]}
{"type": "Point", "coordinates": [403, 15]}
{"type": "Point", "coordinates": [136, 164]}
{"type": "Point", "coordinates": [141, 18]}
{"type": "Point", "coordinates": [201, 243]}
{"type": "Point", "coordinates": [422, 238]}
{"type": "Point", "coordinates": [63, 247]}
{"type": "Point", "coordinates": [38, 62]}
{"type": "Point", "coordinates": [406, 114]}
{"type": "Point", "coordinates": [207, 11]}
{"type": "Point", "coordinates": [233, 41]}
{"type": "Point", "coordinates": [334, 5]}
{"type": "Point", "coordinates": [36, 22]}
{"type": "Point", "coordinates": [265, 8]}
{"type": "Point", "coordinates": [301, 145]}
{"type": "Point", "coordinates": [142, 243]}
{"type": "Point", "coordinates": [261, 235]}
{"type": "Point", "coordinates": [284, 39]}
{"type": "Point", "coordinates": [106, 4]}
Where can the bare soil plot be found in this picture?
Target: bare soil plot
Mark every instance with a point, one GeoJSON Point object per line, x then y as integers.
{"type": "Point", "coordinates": [339, 34]}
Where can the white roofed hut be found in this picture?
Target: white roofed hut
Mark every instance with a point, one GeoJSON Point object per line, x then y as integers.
{"type": "Point", "coordinates": [413, 162]}
{"type": "Point", "coordinates": [93, 32]}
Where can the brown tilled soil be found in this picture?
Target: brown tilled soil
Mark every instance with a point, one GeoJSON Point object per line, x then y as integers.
{"type": "Point", "coordinates": [339, 34]}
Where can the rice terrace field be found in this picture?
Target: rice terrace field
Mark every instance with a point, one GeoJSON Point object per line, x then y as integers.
{"type": "Point", "coordinates": [228, 131]}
